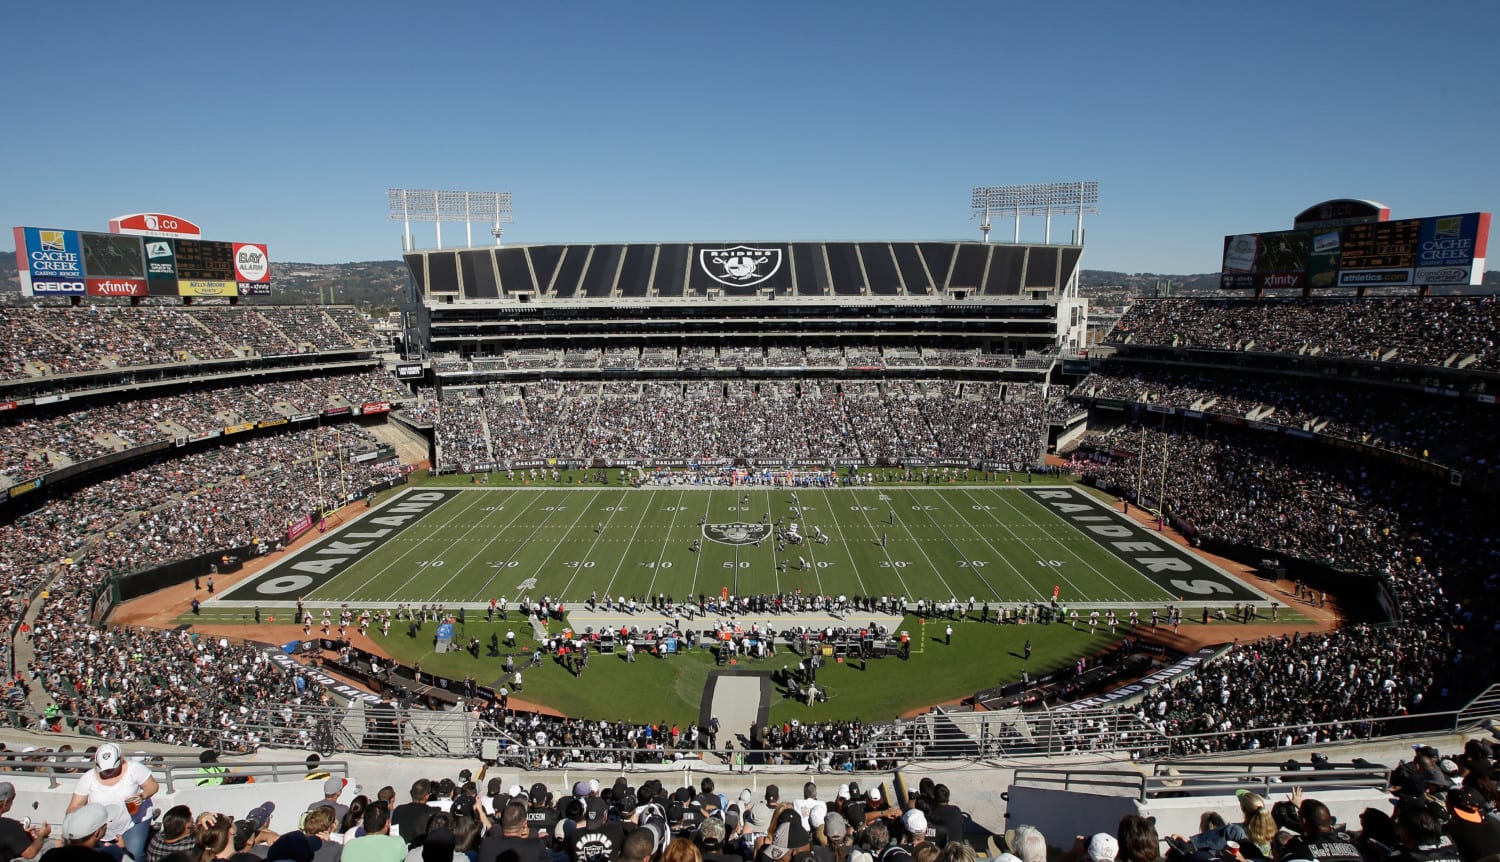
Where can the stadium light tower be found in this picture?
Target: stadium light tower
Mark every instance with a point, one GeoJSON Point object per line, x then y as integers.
{"type": "Point", "coordinates": [1036, 199]}
{"type": "Point", "coordinates": [409, 205]}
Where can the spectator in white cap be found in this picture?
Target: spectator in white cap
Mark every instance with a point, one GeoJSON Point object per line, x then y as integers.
{"type": "Point", "coordinates": [15, 840]}
{"type": "Point", "coordinates": [124, 789]}
{"type": "Point", "coordinates": [1103, 847]}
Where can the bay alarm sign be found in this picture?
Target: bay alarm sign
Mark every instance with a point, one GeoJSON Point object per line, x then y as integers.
{"type": "Point", "coordinates": [154, 224]}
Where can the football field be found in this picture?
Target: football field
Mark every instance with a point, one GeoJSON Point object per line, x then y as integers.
{"type": "Point", "coordinates": [1007, 544]}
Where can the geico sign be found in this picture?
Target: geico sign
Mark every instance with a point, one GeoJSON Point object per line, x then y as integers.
{"type": "Point", "coordinates": [57, 287]}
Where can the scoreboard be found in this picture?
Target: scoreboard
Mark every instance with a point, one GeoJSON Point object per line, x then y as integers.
{"type": "Point", "coordinates": [80, 263]}
{"type": "Point", "coordinates": [1438, 250]}
{"type": "Point", "coordinates": [204, 261]}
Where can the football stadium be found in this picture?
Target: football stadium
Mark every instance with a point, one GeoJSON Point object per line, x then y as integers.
{"type": "Point", "coordinates": [760, 511]}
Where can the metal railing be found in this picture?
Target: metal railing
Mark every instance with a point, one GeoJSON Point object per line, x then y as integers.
{"type": "Point", "coordinates": [60, 768]}
{"type": "Point", "coordinates": [937, 735]}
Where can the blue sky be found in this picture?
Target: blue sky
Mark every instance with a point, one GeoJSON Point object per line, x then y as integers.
{"type": "Point", "coordinates": [286, 122]}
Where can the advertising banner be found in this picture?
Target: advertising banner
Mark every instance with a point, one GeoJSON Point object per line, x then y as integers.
{"type": "Point", "coordinates": [55, 287]}
{"type": "Point", "coordinates": [251, 263]}
{"type": "Point", "coordinates": [8, 405]}
{"type": "Point", "coordinates": [1436, 250]}
{"type": "Point", "coordinates": [26, 487]}
{"type": "Point", "coordinates": [206, 288]}
{"type": "Point", "coordinates": [298, 527]}
{"type": "Point", "coordinates": [409, 370]}
{"type": "Point", "coordinates": [161, 268]}
{"type": "Point", "coordinates": [54, 255]}
{"type": "Point", "coordinates": [236, 429]}
{"type": "Point", "coordinates": [116, 286]}
{"type": "Point", "coordinates": [375, 407]}
{"type": "Point", "coordinates": [153, 224]}
{"type": "Point", "coordinates": [336, 411]}
{"type": "Point", "coordinates": [248, 288]}
{"type": "Point", "coordinates": [270, 423]}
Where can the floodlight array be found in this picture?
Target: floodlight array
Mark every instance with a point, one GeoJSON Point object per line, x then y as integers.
{"type": "Point", "coordinates": [1038, 199]}
{"type": "Point", "coordinates": [434, 205]}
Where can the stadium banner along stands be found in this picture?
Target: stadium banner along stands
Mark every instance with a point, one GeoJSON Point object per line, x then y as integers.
{"type": "Point", "coordinates": [248, 288]}
{"type": "Point", "coordinates": [235, 429]}
{"type": "Point", "coordinates": [27, 486]}
{"type": "Point", "coordinates": [337, 411]}
{"type": "Point", "coordinates": [271, 423]}
{"type": "Point", "coordinates": [298, 527]}
{"type": "Point", "coordinates": [1188, 664]}
{"type": "Point", "coordinates": [8, 405]}
{"type": "Point", "coordinates": [375, 407]}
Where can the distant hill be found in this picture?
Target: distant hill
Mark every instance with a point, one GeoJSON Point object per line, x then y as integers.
{"type": "Point", "coordinates": [378, 285]}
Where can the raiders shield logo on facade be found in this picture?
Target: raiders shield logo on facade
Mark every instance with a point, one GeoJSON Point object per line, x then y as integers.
{"type": "Point", "coordinates": [737, 533]}
{"type": "Point", "coordinates": [740, 266]}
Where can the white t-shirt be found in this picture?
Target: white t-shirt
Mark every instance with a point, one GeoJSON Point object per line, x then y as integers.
{"type": "Point", "coordinates": [113, 796]}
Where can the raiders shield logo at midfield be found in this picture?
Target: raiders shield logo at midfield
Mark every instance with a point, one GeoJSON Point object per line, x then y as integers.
{"type": "Point", "coordinates": [737, 533]}
{"type": "Point", "coordinates": [740, 266]}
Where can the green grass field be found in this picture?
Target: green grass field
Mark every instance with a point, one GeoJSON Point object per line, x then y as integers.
{"type": "Point", "coordinates": [468, 546]}
{"type": "Point", "coordinates": [455, 544]}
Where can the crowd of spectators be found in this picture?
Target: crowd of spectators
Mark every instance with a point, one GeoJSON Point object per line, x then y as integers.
{"type": "Point", "coordinates": [1434, 548]}
{"type": "Point", "coordinates": [999, 422]}
{"type": "Point", "coordinates": [1456, 432]}
{"type": "Point", "coordinates": [50, 437]}
{"type": "Point", "coordinates": [243, 495]}
{"type": "Point", "coordinates": [1413, 330]}
{"type": "Point", "coordinates": [40, 340]}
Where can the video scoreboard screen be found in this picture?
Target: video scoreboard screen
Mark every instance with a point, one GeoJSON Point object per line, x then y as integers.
{"type": "Point", "coordinates": [80, 263]}
{"type": "Point", "coordinates": [1439, 250]}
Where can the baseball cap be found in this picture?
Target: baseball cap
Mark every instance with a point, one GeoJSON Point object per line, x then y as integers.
{"type": "Point", "coordinates": [915, 822]}
{"type": "Point", "coordinates": [538, 792]}
{"type": "Point", "coordinates": [261, 814]}
{"type": "Point", "coordinates": [1007, 857]}
{"type": "Point", "coordinates": [596, 809]}
{"type": "Point", "coordinates": [1426, 751]}
{"type": "Point", "coordinates": [515, 790]}
{"type": "Point", "coordinates": [334, 785]}
{"type": "Point", "coordinates": [746, 795]}
{"type": "Point", "coordinates": [463, 806]}
{"type": "Point", "coordinates": [244, 830]}
{"type": "Point", "coordinates": [594, 785]}
{"type": "Point", "coordinates": [1103, 847]}
{"type": "Point", "coordinates": [835, 826]}
{"type": "Point", "coordinates": [107, 757]}
{"type": "Point", "coordinates": [85, 821]}
{"type": "Point", "coordinates": [7, 791]}
{"type": "Point", "coordinates": [873, 795]}
{"type": "Point", "coordinates": [843, 793]}
{"type": "Point", "coordinates": [582, 788]}
{"type": "Point", "coordinates": [674, 812]}
{"type": "Point", "coordinates": [1466, 804]}
{"type": "Point", "coordinates": [296, 846]}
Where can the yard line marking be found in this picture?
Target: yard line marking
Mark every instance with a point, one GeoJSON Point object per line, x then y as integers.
{"type": "Point", "coordinates": [459, 570]}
